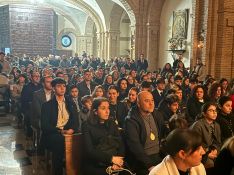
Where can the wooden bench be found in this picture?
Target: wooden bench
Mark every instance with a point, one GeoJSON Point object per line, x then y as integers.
{"type": "Point", "coordinates": [73, 154]}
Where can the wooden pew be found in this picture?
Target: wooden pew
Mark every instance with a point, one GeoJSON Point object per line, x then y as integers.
{"type": "Point", "coordinates": [73, 154]}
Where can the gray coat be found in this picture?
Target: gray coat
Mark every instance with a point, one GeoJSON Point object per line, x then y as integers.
{"type": "Point", "coordinates": [203, 128]}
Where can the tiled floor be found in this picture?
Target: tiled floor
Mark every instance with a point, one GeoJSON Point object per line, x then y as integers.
{"type": "Point", "coordinates": [14, 159]}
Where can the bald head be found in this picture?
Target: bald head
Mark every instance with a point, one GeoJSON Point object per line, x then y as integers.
{"type": "Point", "coordinates": [145, 102]}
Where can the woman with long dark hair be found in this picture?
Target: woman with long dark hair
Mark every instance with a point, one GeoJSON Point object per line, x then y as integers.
{"type": "Point", "coordinates": [226, 117]}
{"type": "Point", "coordinates": [102, 141]}
{"type": "Point", "coordinates": [195, 103]}
{"type": "Point", "coordinates": [122, 85]}
{"type": "Point", "coordinates": [215, 92]}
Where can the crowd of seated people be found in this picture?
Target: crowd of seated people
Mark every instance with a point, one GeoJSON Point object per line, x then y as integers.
{"type": "Point", "coordinates": [129, 117]}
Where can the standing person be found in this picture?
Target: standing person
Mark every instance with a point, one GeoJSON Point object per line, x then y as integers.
{"type": "Point", "coordinates": [144, 129]}
{"type": "Point", "coordinates": [39, 97]}
{"type": "Point", "coordinates": [200, 70]}
{"type": "Point", "coordinates": [184, 149]}
{"type": "Point", "coordinates": [58, 117]}
{"type": "Point", "coordinates": [142, 63]}
{"type": "Point", "coordinates": [4, 64]}
{"type": "Point", "coordinates": [27, 97]}
{"type": "Point", "coordinates": [103, 144]}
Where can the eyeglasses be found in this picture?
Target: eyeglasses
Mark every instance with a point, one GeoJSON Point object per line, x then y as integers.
{"type": "Point", "coordinates": [211, 110]}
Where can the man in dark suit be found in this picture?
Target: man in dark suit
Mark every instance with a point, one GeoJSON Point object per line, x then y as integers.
{"type": "Point", "coordinates": [58, 117]}
{"type": "Point", "coordinates": [27, 96]}
{"type": "Point", "coordinates": [142, 63]}
{"type": "Point", "coordinates": [86, 86]}
{"type": "Point", "coordinates": [39, 97]}
{"type": "Point", "coordinates": [158, 93]}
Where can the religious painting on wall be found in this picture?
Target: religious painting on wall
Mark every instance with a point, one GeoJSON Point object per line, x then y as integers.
{"type": "Point", "coordinates": [180, 23]}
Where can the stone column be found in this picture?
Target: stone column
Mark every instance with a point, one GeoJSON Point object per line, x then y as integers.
{"type": "Point", "coordinates": [133, 42]}
{"type": "Point", "coordinates": [152, 45]}
{"type": "Point", "coordinates": [113, 44]}
{"type": "Point", "coordinates": [100, 41]}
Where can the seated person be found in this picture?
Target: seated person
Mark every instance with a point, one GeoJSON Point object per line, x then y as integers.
{"type": "Point", "coordinates": [224, 163]}
{"type": "Point", "coordinates": [130, 101]}
{"type": "Point", "coordinates": [144, 129]}
{"type": "Point", "coordinates": [58, 117]}
{"type": "Point", "coordinates": [177, 122]}
{"type": "Point", "coordinates": [102, 141]}
{"type": "Point", "coordinates": [86, 104]}
{"type": "Point", "coordinates": [118, 110]}
{"type": "Point", "coordinates": [184, 149]}
{"type": "Point", "coordinates": [225, 117]}
{"type": "Point", "coordinates": [171, 108]}
{"type": "Point", "coordinates": [210, 132]}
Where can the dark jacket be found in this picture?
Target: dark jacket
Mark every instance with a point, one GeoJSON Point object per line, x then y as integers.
{"type": "Point", "coordinates": [98, 151]}
{"type": "Point", "coordinates": [226, 123]}
{"type": "Point", "coordinates": [27, 95]}
{"type": "Point", "coordinates": [84, 90]}
{"type": "Point", "coordinates": [142, 65]}
{"type": "Point", "coordinates": [193, 109]}
{"type": "Point", "coordinates": [39, 97]}
{"type": "Point", "coordinates": [119, 112]}
{"type": "Point", "coordinates": [135, 136]}
{"type": "Point", "coordinates": [49, 117]}
{"type": "Point", "coordinates": [157, 97]}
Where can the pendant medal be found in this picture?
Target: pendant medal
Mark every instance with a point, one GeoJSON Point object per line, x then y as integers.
{"type": "Point", "coordinates": [152, 136]}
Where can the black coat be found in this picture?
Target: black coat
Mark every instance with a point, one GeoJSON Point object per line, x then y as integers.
{"type": "Point", "coordinates": [226, 123]}
{"type": "Point", "coordinates": [193, 109]}
{"type": "Point", "coordinates": [157, 97]}
{"type": "Point", "coordinates": [84, 90]}
{"type": "Point", "coordinates": [135, 137]}
{"type": "Point", "coordinates": [119, 112]}
{"type": "Point", "coordinates": [97, 160]}
{"type": "Point", "coordinates": [49, 117]}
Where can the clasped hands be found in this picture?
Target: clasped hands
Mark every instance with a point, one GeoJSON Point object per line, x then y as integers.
{"type": "Point", "coordinates": [68, 132]}
{"type": "Point", "coordinates": [117, 162]}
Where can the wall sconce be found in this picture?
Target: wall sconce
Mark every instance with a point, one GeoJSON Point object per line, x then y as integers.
{"type": "Point", "coordinates": [201, 39]}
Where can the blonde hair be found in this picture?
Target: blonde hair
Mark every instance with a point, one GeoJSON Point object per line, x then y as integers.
{"type": "Point", "coordinates": [229, 144]}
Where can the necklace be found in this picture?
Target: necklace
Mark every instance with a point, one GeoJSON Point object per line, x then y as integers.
{"type": "Point", "coordinates": [152, 135]}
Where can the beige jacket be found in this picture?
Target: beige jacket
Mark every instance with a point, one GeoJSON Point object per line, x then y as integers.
{"type": "Point", "coordinates": [168, 167]}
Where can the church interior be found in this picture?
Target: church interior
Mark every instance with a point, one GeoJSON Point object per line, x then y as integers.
{"type": "Point", "coordinates": [164, 47]}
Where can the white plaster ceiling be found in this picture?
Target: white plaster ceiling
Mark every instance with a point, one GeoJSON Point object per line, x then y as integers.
{"type": "Point", "coordinates": [76, 12]}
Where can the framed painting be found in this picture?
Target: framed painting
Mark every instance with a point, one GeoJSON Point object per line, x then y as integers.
{"type": "Point", "coordinates": [180, 23]}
